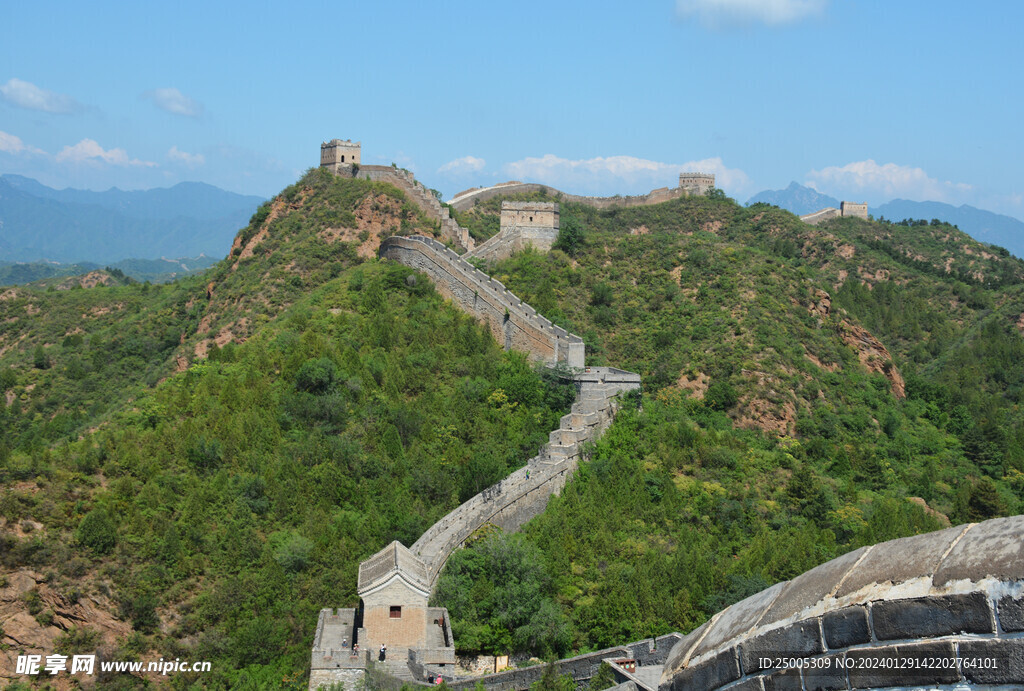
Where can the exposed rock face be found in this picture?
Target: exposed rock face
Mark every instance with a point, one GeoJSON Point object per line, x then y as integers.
{"type": "Point", "coordinates": [22, 631]}
{"type": "Point", "coordinates": [873, 355]}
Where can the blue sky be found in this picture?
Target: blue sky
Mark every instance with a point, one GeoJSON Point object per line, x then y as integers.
{"type": "Point", "coordinates": [864, 100]}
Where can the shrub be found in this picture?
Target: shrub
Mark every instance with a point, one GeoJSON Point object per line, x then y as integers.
{"type": "Point", "coordinates": [97, 532]}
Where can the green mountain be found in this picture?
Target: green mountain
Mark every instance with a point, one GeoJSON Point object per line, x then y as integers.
{"type": "Point", "coordinates": [194, 469]}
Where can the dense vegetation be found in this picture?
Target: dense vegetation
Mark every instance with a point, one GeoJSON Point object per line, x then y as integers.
{"type": "Point", "coordinates": [771, 435]}
{"type": "Point", "coordinates": [209, 460]}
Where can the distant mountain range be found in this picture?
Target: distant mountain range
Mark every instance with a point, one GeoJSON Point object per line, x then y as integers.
{"type": "Point", "coordinates": [984, 226]}
{"type": "Point", "coordinates": [152, 270]}
{"type": "Point", "coordinates": [38, 223]}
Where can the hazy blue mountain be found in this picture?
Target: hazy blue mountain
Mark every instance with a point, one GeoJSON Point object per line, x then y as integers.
{"type": "Point", "coordinates": [152, 270]}
{"type": "Point", "coordinates": [187, 220]}
{"type": "Point", "coordinates": [983, 226]}
{"type": "Point", "coordinates": [796, 198]}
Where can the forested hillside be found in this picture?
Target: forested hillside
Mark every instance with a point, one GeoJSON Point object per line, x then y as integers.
{"type": "Point", "coordinates": [194, 469]}
{"type": "Point", "coordinates": [807, 391]}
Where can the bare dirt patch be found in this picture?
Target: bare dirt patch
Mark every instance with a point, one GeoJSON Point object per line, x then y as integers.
{"type": "Point", "coordinates": [639, 230]}
{"type": "Point", "coordinates": [697, 386]}
{"type": "Point", "coordinates": [873, 355]}
{"type": "Point", "coordinates": [712, 227]}
{"type": "Point", "coordinates": [938, 515]}
{"type": "Point", "coordinates": [846, 251]}
{"type": "Point", "coordinates": [11, 294]}
{"type": "Point", "coordinates": [770, 417]}
{"type": "Point", "coordinates": [89, 280]}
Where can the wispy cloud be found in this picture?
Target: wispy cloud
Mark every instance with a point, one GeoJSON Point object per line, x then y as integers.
{"type": "Point", "coordinates": [11, 144]}
{"type": "Point", "coordinates": [888, 180]}
{"type": "Point", "coordinates": [619, 174]}
{"type": "Point", "coordinates": [175, 102]}
{"type": "Point", "coordinates": [726, 13]}
{"type": "Point", "coordinates": [190, 160]}
{"type": "Point", "coordinates": [466, 164]}
{"type": "Point", "coordinates": [27, 95]}
{"type": "Point", "coordinates": [89, 151]}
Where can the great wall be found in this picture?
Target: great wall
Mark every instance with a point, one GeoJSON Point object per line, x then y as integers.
{"type": "Point", "coordinates": [943, 610]}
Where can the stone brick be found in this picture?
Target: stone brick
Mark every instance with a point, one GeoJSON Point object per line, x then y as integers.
{"type": "Point", "coordinates": [932, 616]}
{"type": "Point", "coordinates": [787, 680]}
{"type": "Point", "coordinates": [1006, 656]}
{"type": "Point", "coordinates": [846, 627]}
{"type": "Point", "coordinates": [710, 674]}
{"type": "Point", "coordinates": [1011, 613]}
{"type": "Point", "coordinates": [802, 639]}
{"type": "Point", "coordinates": [885, 666]}
{"type": "Point", "coordinates": [751, 684]}
{"type": "Point", "coordinates": [899, 560]}
{"type": "Point", "coordinates": [994, 548]}
{"type": "Point", "coordinates": [828, 677]}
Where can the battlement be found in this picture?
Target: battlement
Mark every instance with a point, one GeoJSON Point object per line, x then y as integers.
{"type": "Point", "coordinates": [697, 183]}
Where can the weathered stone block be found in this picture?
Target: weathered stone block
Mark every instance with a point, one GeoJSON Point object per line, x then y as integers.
{"type": "Point", "coordinates": [1011, 613]}
{"type": "Point", "coordinates": [902, 665]}
{"type": "Point", "coordinates": [738, 619]}
{"type": "Point", "coordinates": [788, 680]}
{"type": "Point", "coordinates": [710, 674]}
{"type": "Point", "coordinates": [809, 588]}
{"type": "Point", "coordinates": [899, 560]}
{"type": "Point", "coordinates": [797, 640]}
{"type": "Point", "coordinates": [932, 616]}
{"type": "Point", "coordinates": [751, 684]}
{"type": "Point", "coordinates": [826, 677]}
{"type": "Point", "coordinates": [993, 661]}
{"type": "Point", "coordinates": [993, 548]}
{"type": "Point", "coordinates": [846, 627]}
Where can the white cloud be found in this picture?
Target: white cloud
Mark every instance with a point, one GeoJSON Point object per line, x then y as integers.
{"type": "Point", "coordinates": [13, 145]}
{"type": "Point", "coordinates": [886, 181]}
{"type": "Point", "coordinates": [27, 95]}
{"type": "Point", "coordinates": [89, 151]}
{"type": "Point", "coordinates": [175, 102]}
{"type": "Point", "coordinates": [619, 174]}
{"type": "Point", "coordinates": [466, 164]}
{"type": "Point", "coordinates": [721, 13]}
{"type": "Point", "coordinates": [190, 160]}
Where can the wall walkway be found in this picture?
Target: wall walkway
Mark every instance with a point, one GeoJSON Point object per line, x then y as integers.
{"type": "Point", "coordinates": [466, 200]}
{"type": "Point", "coordinates": [512, 322]}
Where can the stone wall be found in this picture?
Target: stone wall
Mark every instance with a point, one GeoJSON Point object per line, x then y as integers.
{"type": "Point", "coordinates": [854, 209]}
{"type": "Point", "coordinates": [467, 199]}
{"type": "Point", "coordinates": [940, 610]}
{"type": "Point", "coordinates": [648, 652]}
{"type": "Point", "coordinates": [525, 493]}
{"type": "Point", "coordinates": [423, 198]}
{"type": "Point", "coordinates": [522, 224]}
{"type": "Point", "coordinates": [512, 322]}
{"type": "Point", "coordinates": [822, 215]}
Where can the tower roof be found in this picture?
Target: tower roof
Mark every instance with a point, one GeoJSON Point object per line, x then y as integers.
{"type": "Point", "coordinates": [395, 560]}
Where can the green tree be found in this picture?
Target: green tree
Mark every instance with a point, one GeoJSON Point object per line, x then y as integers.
{"type": "Point", "coordinates": [571, 237]}
{"type": "Point", "coordinates": [97, 532]}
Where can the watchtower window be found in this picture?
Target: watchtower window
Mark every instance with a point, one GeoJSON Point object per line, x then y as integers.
{"type": "Point", "coordinates": [396, 612]}
{"type": "Point", "coordinates": [531, 218]}
{"type": "Point", "coordinates": [343, 158]}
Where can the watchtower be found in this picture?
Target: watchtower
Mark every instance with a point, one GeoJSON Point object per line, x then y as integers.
{"type": "Point", "coordinates": [339, 153]}
{"type": "Point", "coordinates": [859, 210]}
{"type": "Point", "coordinates": [530, 223]}
{"type": "Point", "coordinates": [697, 183]}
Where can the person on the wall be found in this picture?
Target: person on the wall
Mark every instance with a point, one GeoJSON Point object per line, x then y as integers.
{"type": "Point", "coordinates": [383, 652]}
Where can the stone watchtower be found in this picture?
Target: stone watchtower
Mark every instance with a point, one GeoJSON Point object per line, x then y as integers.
{"type": "Point", "coordinates": [857, 210]}
{"type": "Point", "coordinates": [697, 183]}
{"type": "Point", "coordinates": [339, 155]}
{"type": "Point", "coordinates": [530, 223]}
